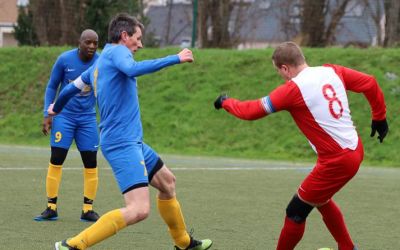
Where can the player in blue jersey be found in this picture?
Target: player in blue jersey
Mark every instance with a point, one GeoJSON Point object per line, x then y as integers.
{"type": "Point", "coordinates": [77, 121]}
{"type": "Point", "coordinates": [134, 163]}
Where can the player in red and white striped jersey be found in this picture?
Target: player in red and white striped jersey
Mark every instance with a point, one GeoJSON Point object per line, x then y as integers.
{"type": "Point", "coordinates": [317, 100]}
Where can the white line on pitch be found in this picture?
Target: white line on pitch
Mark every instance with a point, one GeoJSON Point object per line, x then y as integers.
{"type": "Point", "coordinates": [178, 169]}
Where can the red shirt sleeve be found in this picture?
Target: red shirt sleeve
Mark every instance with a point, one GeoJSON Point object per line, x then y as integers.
{"type": "Point", "coordinates": [285, 97]}
{"type": "Point", "coordinates": [282, 98]}
{"type": "Point", "coordinates": [246, 110]}
{"type": "Point", "coordinates": [362, 83]}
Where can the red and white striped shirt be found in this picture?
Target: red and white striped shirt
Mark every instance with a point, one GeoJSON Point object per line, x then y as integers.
{"type": "Point", "coordinates": [317, 100]}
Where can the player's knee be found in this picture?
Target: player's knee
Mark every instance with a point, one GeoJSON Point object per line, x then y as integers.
{"type": "Point", "coordinates": [89, 159]}
{"type": "Point", "coordinates": [143, 214]}
{"type": "Point", "coordinates": [137, 213]}
{"type": "Point", "coordinates": [298, 210]}
{"type": "Point", "coordinates": [168, 184]}
{"type": "Point", "coordinates": [58, 155]}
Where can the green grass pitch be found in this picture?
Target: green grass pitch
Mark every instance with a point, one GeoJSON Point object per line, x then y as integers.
{"type": "Point", "coordinates": [239, 204]}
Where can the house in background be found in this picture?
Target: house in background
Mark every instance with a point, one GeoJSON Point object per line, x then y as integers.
{"type": "Point", "coordinates": [170, 24]}
{"type": "Point", "coordinates": [8, 18]}
{"type": "Point", "coordinates": [262, 23]}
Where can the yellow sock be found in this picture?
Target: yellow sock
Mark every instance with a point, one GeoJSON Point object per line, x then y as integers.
{"type": "Point", "coordinates": [170, 211]}
{"type": "Point", "coordinates": [90, 183]}
{"type": "Point", "coordinates": [108, 225]}
{"type": "Point", "coordinates": [53, 180]}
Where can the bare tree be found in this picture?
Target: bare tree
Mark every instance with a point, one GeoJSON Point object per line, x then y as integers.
{"type": "Point", "coordinates": [392, 26]}
{"type": "Point", "coordinates": [214, 16]}
{"type": "Point", "coordinates": [337, 15]}
{"type": "Point", "coordinates": [220, 12]}
{"type": "Point", "coordinates": [313, 23]}
{"type": "Point", "coordinates": [242, 14]}
{"type": "Point", "coordinates": [377, 13]}
{"type": "Point", "coordinates": [289, 15]}
{"type": "Point", "coordinates": [320, 20]}
{"type": "Point", "coordinates": [203, 17]}
{"type": "Point", "coordinates": [70, 18]}
{"type": "Point", "coordinates": [216, 25]}
{"type": "Point", "coordinates": [187, 20]}
{"type": "Point", "coordinates": [168, 21]}
{"type": "Point", "coordinates": [56, 22]}
{"type": "Point", "coordinates": [41, 21]}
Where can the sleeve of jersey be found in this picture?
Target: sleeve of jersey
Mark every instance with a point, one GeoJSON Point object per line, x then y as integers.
{"type": "Point", "coordinates": [67, 93]}
{"type": "Point", "coordinates": [85, 76]}
{"type": "Point", "coordinates": [279, 99]}
{"type": "Point", "coordinates": [362, 83]}
{"type": "Point", "coordinates": [56, 76]}
{"type": "Point", "coordinates": [245, 110]}
{"type": "Point", "coordinates": [125, 62]}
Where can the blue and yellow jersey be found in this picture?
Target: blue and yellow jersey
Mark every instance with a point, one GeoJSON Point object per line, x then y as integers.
{"type": "Point", "coordinates": [113, 78]}
{"type": "Point", "coordinates": [65, 70]}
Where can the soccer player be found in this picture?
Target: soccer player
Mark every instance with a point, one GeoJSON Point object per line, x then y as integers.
{"type": "Point", "coordinates": [134, 163]}
{"type": "Point", "coordinates": [77, 121]}
{"type": "Point", "coordinates": [316, 99]}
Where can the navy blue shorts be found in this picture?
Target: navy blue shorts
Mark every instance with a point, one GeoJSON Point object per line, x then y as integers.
{"type": "Point", "coordinates": [133, 163]}
{"type": "Point", "coordinates": [82, 128]}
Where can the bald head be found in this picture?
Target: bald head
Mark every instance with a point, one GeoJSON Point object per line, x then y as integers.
{"type": "Point", "coordinates": [89, 34]}
{"type": "Point", "coordinates": [88, 44]}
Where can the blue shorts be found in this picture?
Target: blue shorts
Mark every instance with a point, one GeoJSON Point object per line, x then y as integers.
{"type": "Point", "coordinates": [134, 163]}
{"type": "Point", "coordinates": [82, 128]}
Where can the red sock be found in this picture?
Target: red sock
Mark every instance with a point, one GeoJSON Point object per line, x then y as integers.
{"type": "Point", "coordinates": [291, 234]}
{"type": "Point", "coordinates": [334, 221]}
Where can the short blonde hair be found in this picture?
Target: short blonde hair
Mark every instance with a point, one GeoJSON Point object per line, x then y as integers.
{"type": "Point", "coordinates": [288, 53]}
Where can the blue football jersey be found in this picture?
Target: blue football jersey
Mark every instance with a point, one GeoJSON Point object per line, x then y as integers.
{"type": "Point", "coordinates": [113, 78]}
{"type": "Point", "coordinates": [65, 70]}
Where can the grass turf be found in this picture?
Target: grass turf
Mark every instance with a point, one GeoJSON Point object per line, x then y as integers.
{"type": "Point", "coordinates": [239, 204]}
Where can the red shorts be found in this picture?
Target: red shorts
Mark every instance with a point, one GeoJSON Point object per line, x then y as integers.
{"type": "Point", "coordinates": [329, 175]}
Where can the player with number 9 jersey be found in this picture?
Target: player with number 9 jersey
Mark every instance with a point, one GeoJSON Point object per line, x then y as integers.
{"type": "Point", "coordinates": [76, 122]}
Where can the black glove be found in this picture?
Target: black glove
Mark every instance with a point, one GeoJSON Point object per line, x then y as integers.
{"type": "Point", "coordinates": [220, 100]}
{"type": "Point", "coordinates": [382, 128]}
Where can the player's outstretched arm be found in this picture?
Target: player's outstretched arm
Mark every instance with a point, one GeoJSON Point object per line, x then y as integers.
{"type": "Point", "coordinates": [245, 110]}
{"type": "Point", "coordinates": [65, 95]}
{"type": "Point", "coordinates": [124, 61]}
